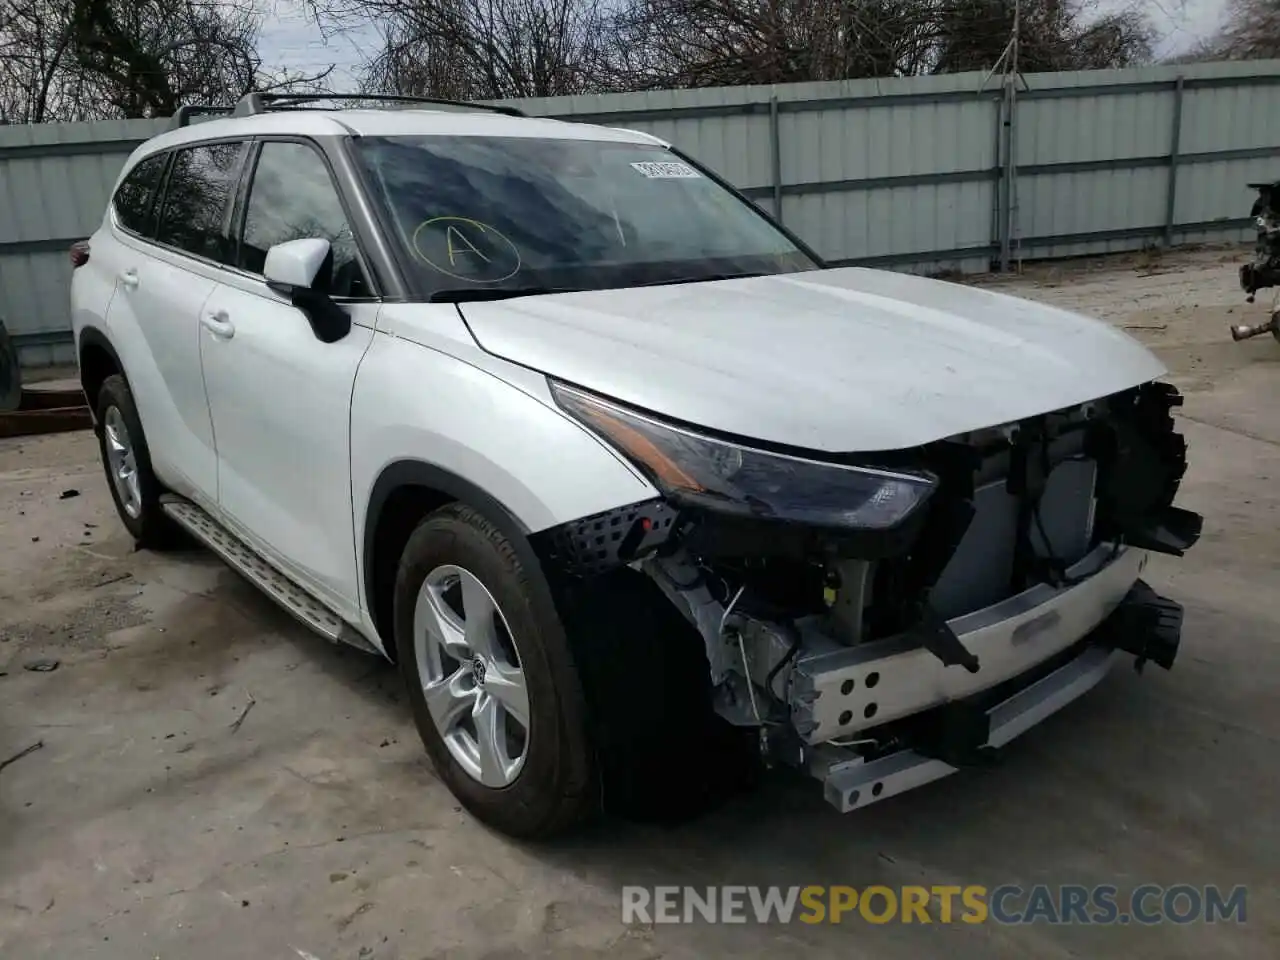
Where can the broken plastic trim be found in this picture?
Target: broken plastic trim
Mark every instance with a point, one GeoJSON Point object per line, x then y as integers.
{"type": "Point", "coordinates": [1173, 531]}
{"type": "Point", "coordinates": [1141, 461]}
{"type": "Point", "coordinates": [1145, 624]}
{"type": "Point", "coordinates": [605, 541]}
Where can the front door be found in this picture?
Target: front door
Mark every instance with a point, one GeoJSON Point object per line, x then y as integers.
{"type": "Point", "coordinates": [280, 399]}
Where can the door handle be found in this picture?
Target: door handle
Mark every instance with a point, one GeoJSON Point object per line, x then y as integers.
{"type": "Point", "coordinates": [129, 279]}
{"type": "Point", "coordinates": [219, 325]}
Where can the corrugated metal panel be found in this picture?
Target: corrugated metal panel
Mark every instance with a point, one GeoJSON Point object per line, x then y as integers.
{"type": "Point", "coordinates": [54, 183]}
{"type": "Point", "coordinates": [921, 141]}
{"type": "Point", "coordinates": [1126, 134]}
{"type": "Point", "coordinates": [1090, 130]}
{"type": "Point", "coordinates": [895, 172]}
{"type": "Point", "coordinates": [35, 286]}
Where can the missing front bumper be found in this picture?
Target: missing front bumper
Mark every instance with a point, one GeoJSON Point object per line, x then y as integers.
{"type": "Point", "coordinates": [837, 693]}
{"type": "Point", "coordinates": [971, 731]}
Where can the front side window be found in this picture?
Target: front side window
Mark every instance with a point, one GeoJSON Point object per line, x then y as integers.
{"type": "Point", "coordinates": [134, 201]}
{"type": "Point", "coordinates": [293, 198]}
{"type": "Point", "coordinates": [197, 195]}
{"type": "Point", "coordinates": [477, 216]}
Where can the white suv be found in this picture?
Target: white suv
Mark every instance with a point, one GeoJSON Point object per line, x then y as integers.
{"type": "Point", "coordinates": [622, 476]}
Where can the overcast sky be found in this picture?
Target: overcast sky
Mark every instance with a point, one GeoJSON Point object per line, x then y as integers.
{"type": "Point", "coordinates": [289, 40]}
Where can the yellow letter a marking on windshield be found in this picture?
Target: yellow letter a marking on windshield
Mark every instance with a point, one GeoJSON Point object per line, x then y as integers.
{"type": "Point", "coordinates": [470, 248]}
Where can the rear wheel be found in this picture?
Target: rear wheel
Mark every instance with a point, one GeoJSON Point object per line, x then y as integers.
{"type": "Point", "coordinates": [494, 691]}
{"type": "Point", "coordinates": [127, 462]}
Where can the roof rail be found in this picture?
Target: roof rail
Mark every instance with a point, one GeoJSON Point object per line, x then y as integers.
{"type": "Point", "coordinates": [187, 113]}
{"type": "Point", "coordinates": [254, 103]}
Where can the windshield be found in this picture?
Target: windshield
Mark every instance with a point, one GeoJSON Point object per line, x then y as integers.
{"type": "Point", "coordinates": [486, 217]}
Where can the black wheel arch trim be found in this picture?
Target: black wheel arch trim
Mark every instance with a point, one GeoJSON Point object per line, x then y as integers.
{"type": "Point", "coordinates": [92, 336]}
{"type": "Point", "coordinates": [418, 473]}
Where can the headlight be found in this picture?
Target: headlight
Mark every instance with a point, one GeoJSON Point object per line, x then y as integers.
{"type": "Point", "coordinates": [724, 476]}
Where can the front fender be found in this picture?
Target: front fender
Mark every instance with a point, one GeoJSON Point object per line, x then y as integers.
{"type": "Point", "coordinates": [481, 437]}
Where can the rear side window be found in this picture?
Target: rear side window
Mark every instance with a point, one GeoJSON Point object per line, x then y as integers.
{"type": "Point", "coordinates": [197, 194]}
{"type": "Point", "coordinates": [292, 197]}
{"type": "Point", "coordinates": [134, 201]}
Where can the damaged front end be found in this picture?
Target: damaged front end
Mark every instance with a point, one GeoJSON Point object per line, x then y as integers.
{"type": "Point", "coordinates": [886, 621]}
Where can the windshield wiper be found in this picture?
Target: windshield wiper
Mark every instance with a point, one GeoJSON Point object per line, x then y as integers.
{"type": "Point", "coordinates": [474, 294]}
{"type": "Point", "coordinates": [705, 278]}
{"type": "Point", "coordinates": [480, 294]}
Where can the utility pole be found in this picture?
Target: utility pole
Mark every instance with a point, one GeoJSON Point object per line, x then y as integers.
{"type": "Point", "coordinates": [1010, 56]}
{"type": "Point", "coordinates": [1005, 221]}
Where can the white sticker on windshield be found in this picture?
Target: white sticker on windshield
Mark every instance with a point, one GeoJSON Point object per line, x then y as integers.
{"type": "Point", "coordinates": [666, 170]}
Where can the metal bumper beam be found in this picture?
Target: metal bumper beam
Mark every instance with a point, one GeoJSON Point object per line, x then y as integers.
{"type": "Point", "coordinates": [835, 694]}
{"type": "Point", "coordinates": [1143, 624]}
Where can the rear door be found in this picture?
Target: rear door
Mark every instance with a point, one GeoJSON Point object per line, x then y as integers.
{"type": "Point", "coordinates": [131, 214]}
{"type": "Point", "coordinates": [168, 267]}
{"type": "Point", "coordinates": [279, 397]}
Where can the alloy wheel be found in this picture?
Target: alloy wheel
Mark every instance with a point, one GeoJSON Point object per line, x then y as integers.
{"type": "Point", "coordinates": [471, 676]}
{"type": "Point", "coordinates": [122, 462]}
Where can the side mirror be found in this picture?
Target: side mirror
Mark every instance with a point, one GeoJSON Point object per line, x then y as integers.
{"type": "Point", "coordinates": [299, 269]}
{"type": "Point", "coordinates": [296, 263]}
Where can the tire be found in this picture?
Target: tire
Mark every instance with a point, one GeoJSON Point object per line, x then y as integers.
{"type": "Point", "coordinates": [117, 420]}
{"type": "Point", "coordinates": [555, 784]}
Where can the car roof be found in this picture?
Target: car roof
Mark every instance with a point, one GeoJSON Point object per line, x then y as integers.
{"type": "Point", "coordinates": [395, 122]}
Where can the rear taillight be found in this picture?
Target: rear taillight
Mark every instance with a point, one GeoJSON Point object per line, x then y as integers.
{"type": "Point", "coordinates": [79, 253]}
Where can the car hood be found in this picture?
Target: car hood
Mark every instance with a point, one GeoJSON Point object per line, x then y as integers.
{"type": "Point", "coordinates": [839, 360]}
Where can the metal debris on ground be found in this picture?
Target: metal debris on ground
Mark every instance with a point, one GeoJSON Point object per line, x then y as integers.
{"type": "Point", "coordinates": [42, 666]}
{"type": "Point", "coordinates": [243, 713]}
{"type": "Point", "coordinates": [21, 753]}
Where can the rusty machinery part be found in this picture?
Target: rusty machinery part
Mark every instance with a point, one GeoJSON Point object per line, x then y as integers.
{"type": "Point", "coordinates": [32, 411]}
{"type": "Point", "coordinates": [1263, 271]}
{"type": "Point", "coordinates": [10, 373]}
{"type": "Point", "coordinates": [46, 411]}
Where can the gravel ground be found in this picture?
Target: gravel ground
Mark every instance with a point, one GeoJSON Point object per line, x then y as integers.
{"type": "Point", "coordinates": [150, 825]}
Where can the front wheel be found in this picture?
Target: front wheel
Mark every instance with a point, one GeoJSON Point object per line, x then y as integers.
{"type": "Point", "coordinates": [494, 691]}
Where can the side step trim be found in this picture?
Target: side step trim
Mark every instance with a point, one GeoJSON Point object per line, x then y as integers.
{"type": "Point", "coordinates": [254, 567]}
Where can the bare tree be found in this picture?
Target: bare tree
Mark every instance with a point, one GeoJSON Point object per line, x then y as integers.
{"type": "Point", "coordinates": [725, 42]}
{"type": "Point", "coordinates": [1251, 32]}
{"type": "Point", "coordinates": [83, 59]}
{"type": "Point", "coordinates": [480, 49]}
{"type": "Point", "coordinates": [1053, 34]}
{"type": "Point", "coordinates": [35, 38]}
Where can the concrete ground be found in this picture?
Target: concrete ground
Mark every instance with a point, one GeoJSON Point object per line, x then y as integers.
{"type": "Point", "coordinates": [150, 825]}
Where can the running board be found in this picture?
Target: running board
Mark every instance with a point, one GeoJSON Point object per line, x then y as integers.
{"type": "Point", "coordinates": [254, 567]}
